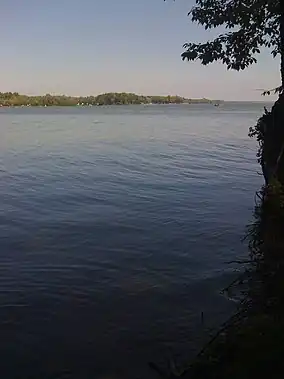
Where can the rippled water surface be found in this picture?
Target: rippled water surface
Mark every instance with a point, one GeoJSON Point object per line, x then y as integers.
{"type": "Point", "coordinates": [117, 225]}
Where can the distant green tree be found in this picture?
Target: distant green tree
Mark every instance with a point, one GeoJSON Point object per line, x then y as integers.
{"type": "Point", "coordinates": [112, 98]}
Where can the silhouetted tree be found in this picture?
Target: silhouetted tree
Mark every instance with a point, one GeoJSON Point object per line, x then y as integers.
{"type": "Point", "coordinates": [250, 25]}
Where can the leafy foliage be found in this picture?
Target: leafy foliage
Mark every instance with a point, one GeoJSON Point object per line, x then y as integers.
{"type": "Point", "coordinates": [249, 26]}
{"type": "Point", "coordinates": [275, 91]}
{"type": "Point", "coordinates": [269, 133]}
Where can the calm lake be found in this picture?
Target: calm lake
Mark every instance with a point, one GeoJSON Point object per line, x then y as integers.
{"type": "Point", "coordinates": [116, 228]}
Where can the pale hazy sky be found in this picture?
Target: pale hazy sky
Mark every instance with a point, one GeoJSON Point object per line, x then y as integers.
{"type": "Point", "coordinates": [81, 47]}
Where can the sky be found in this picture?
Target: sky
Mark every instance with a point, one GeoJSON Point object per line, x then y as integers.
{"type": "Point", "coordinates": [87, 47]}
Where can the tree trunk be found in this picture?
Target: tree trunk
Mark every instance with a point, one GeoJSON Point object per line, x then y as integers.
{"type": "Point", "coordinates": [282, 40]}
{"type": "Point", "coordinates": [273, 164]}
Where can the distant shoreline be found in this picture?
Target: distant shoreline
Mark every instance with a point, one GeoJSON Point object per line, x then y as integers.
{"type": "Point", "coordinates": [95, 105]}
{"type": "Point", "coordinates": [14, 99]}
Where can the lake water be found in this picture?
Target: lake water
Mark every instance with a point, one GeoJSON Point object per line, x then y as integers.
{"type": "Point", "coordinates": [117, 225]}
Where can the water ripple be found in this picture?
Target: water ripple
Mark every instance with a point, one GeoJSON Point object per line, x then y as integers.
{"type": "Point", "coordinates": [116, 223]}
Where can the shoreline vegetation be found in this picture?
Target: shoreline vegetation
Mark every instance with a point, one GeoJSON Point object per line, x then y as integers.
{"type": "Point", "coordinates": [250, 344]}
{"type": "Point", "coordinates": [14, 99]}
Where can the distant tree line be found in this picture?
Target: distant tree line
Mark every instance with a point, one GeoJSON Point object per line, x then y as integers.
{"type": "Point", "coordinates": [112, 98]}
